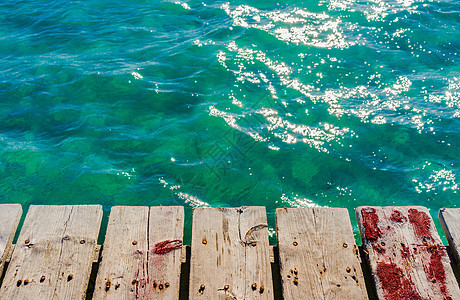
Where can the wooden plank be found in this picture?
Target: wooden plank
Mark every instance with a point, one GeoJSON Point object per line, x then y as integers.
{"type": "Point", "coordinates": [10, 214]}
{"type": "Point", "coordinates": [141, 255]}
{"type": "Point", "coordinates": [407, 258]}
{"type": "Point", "coordinates": [317, 254]}
{"type": "Point", "coordinates": [53, 255]}
{"type": "Point", "coordinates": [450, 221]}
{"type": "Point", "coordinates": [230, 256]}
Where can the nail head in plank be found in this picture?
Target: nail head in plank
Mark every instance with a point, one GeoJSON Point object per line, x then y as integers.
{"type": "Point", "coordinates": [450, 221]}
{"type": "Point", "coordinates": [141, 253]}
{"type": "Point", "coordinates": [53, 255]}
{"type": "Point", "coordinates": [230, 256]}
{"type": "Point", "coordinates": [406, 255]}
{"type": "Point", "coordinates": [10, 214]}
{"type": "Point", "coordinates": [317, 253]}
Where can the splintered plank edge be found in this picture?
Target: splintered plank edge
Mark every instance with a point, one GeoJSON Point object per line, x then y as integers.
{"type": "Point", "coordinates": [317, 254]}
{"type": "Point", "coordinates": [450, 221]}
{"type": "Point", "coordinates": [10, 214]}
{"type": "Point", "coordinates": [406, 255]}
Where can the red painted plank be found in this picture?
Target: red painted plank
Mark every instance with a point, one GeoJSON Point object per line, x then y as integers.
{"type": "Point", "coordinates": [406, 255]}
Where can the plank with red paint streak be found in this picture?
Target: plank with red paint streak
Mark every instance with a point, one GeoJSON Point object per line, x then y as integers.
{"type": "Point", "coordinates": [406, 255]}
{"type": "Point", "coordinates": [141, 253]}
{"type": "Point", "coordinates": [450, 221]}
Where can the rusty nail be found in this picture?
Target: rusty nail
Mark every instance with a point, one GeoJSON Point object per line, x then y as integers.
{"type": "Point", "coordinates": [166, 284]}
{"type": "Point", "coordinates": [296, 282]}
{"type": "Point", "coordinates": [107, 285]}
{"type": "Point", "coordinates": [19, 282]}
{"type": "Point", "coordinates": [348, 270]}
{"type": "Point", "coordinates": [295, 243]}
{"type": "Point", "coordinates": [261, 290]}
{"type": "Point", "coordinates": [160, 287]}
{"type": "Point", "coordinates": [70, 277]}
{"type": "Point", "coordinates": [254, 286]}
{"type": "Point", "coordinates": [82, 242]}
{"type": "Point", "coordinates": [154, 285]}
{"type": "Point", "coordinates": [42, 278]}
{"type": "Point", "coordinates": [117, 286]}
{"type": "Point", "coordinates": [289, 276]}
{"type": "Point", "coordinates": [27, 241]}
{"type": "Point", "coordinates": [26, 282]}
{"type": "Point", "coordinates": [345, 245]}
{"type": "Point", "coordinates": [253, 243]}
{"type": "Point", "coordinates": [134, 282]}
{"type": "Point", "coordinates": [295, 272]}
{"type": "Point", "coordinates": [204, 241]}
{"type": "Point", "coordinates": [226, 287]}
{"type": "Point", "coordinates": [134, 242]}
{"type": "Point", "coordinates": [201, 289]}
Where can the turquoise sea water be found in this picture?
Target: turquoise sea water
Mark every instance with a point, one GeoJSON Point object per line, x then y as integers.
{"type": "Point", "coordinates": [211, 103]}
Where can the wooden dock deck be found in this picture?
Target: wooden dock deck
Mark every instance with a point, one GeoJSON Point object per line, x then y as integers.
{"type": "Point", "coordinates": [56, 255]}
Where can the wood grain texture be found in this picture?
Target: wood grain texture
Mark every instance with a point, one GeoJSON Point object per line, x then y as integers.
{"type": "Point", "coordinates": [141, 254]}
{"type": "Point", "coordinates": [407, 258]}
{"type": "Point", "coordinates": [53, 255]}
{"type": "Point", "coordinates": [230, 254]}
{"type": "Point", "coordinates": [10, 214]}
{"type": "Point", "coordinates": [450, 221]}
{"type": "Point", "coordinates": [317, 254]}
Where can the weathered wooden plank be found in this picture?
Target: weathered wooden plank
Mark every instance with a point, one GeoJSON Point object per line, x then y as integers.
{"type": "Point", "coordinates": [230, 254]}
{"type": "Point", "coordinates": [407, 258]}
{"type": "Point", "coordinates": [141, 254]}
{"type": "Point", "coordinates": [450, 221]}
{"type": "Point", "coordinates": [10, 214]}
{"type": "Point", "coordinates": [53, 255]}
{"type": "Point", "coordinates": [317, 254]}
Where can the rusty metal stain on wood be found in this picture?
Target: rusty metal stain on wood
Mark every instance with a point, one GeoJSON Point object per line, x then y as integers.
{"type": "Point", "coordinates": [406, 255]}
